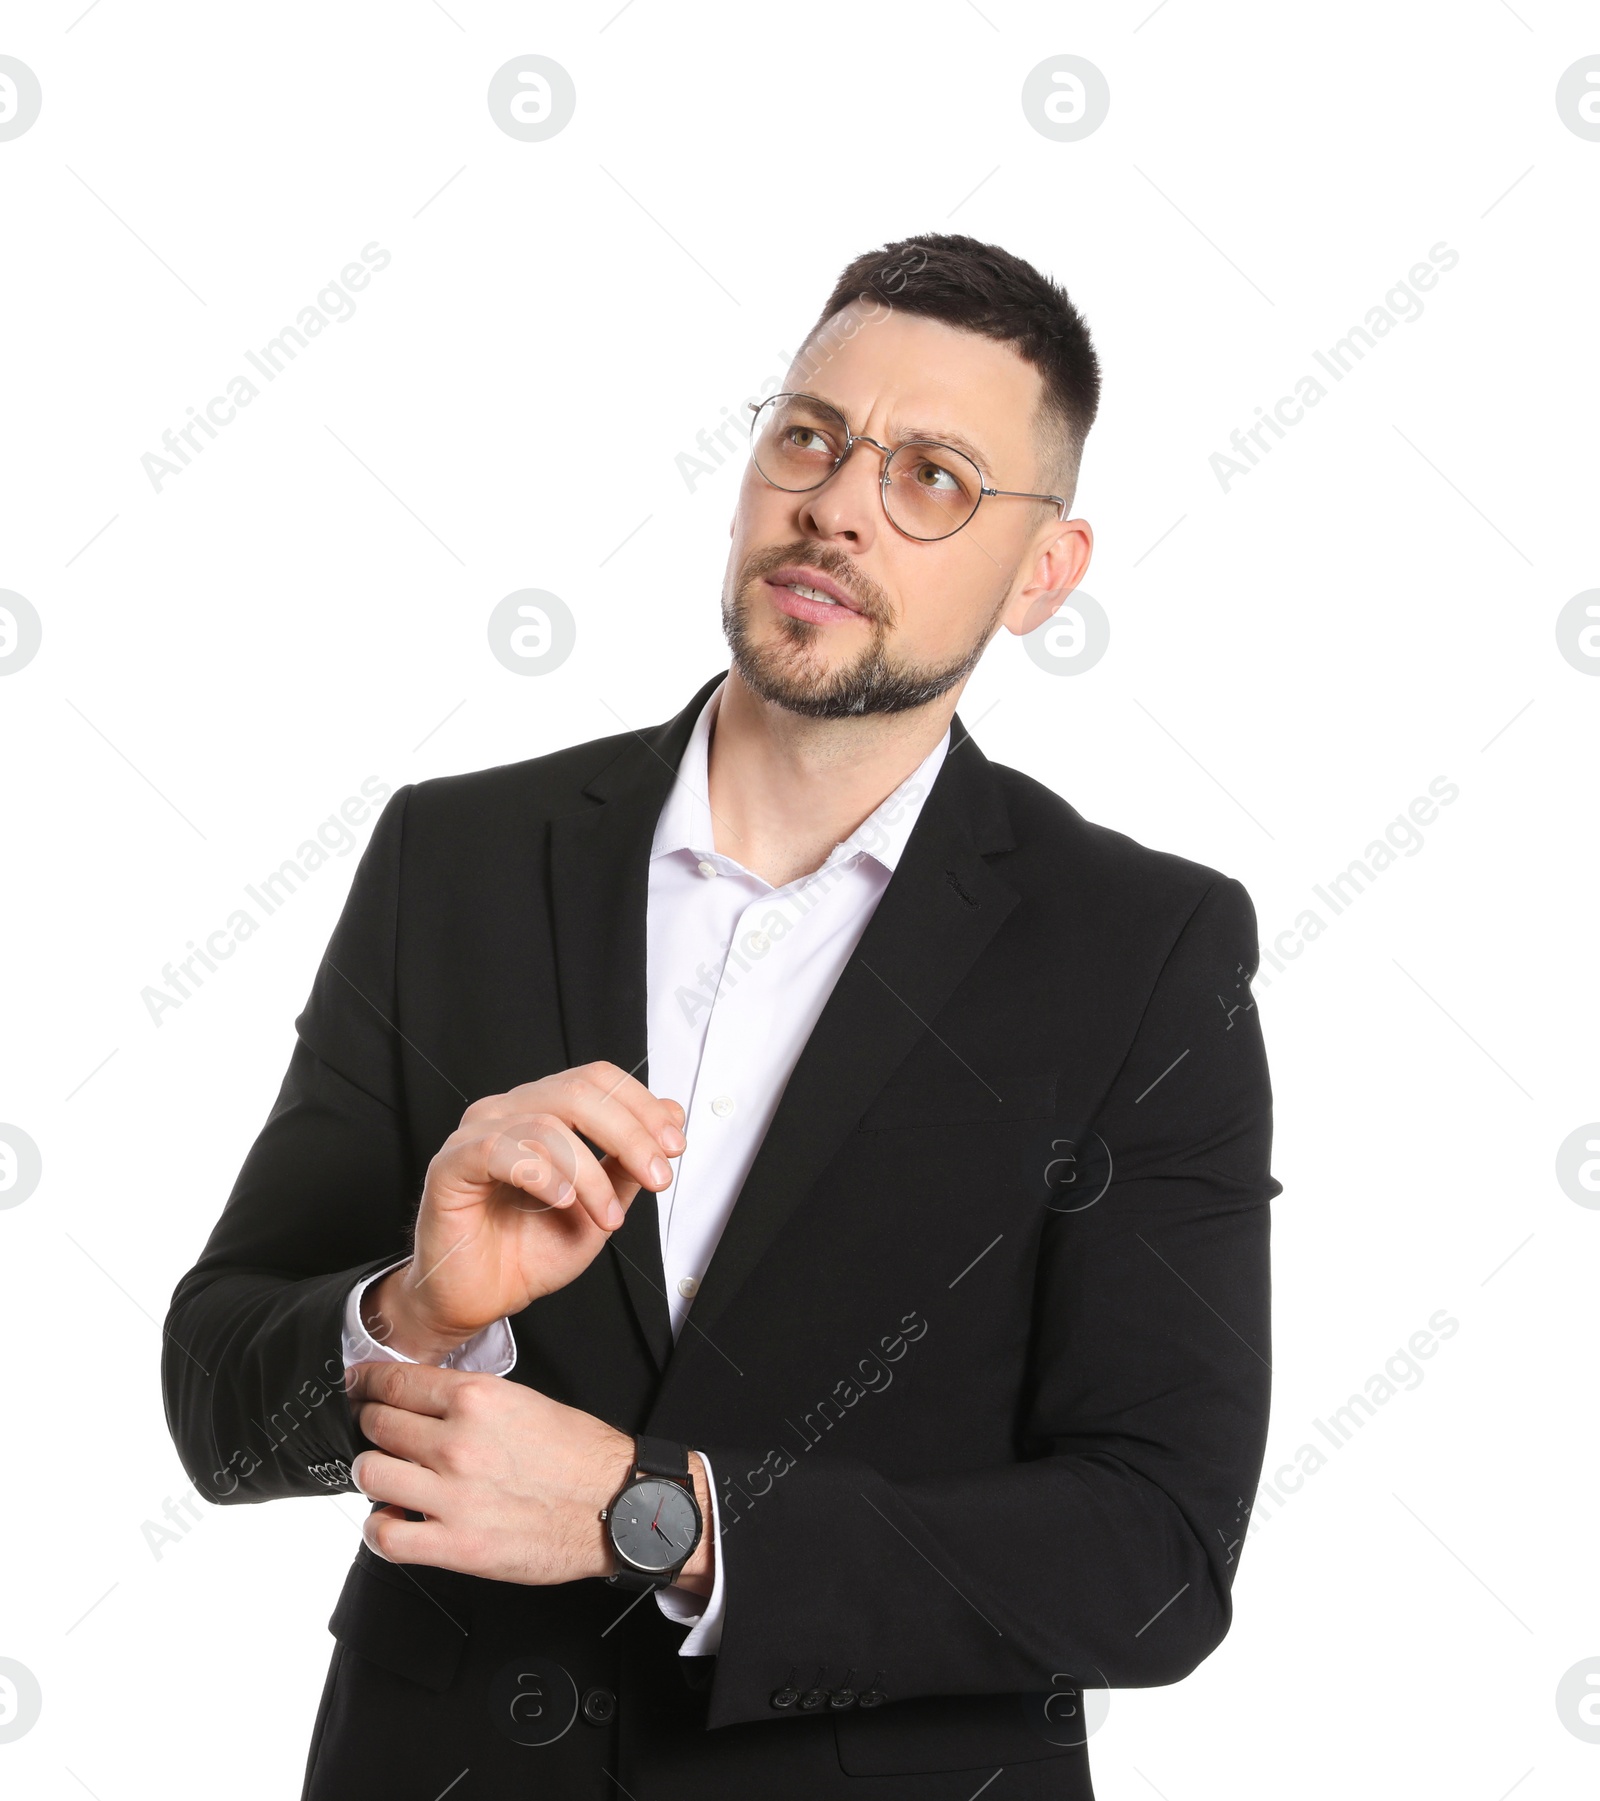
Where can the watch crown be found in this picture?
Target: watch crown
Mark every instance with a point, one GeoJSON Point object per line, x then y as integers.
{"type": "Point", "coordinates": [605, 1513]}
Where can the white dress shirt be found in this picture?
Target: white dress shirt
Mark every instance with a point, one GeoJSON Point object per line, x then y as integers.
{"type": "Point", "coordinates": [737, 975]}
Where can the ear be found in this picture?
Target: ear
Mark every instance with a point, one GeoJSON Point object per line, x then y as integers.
{"type": "Point", "coordinates": [1060, 563]}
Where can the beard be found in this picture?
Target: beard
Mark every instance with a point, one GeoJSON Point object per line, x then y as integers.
{"type": "Point", "coordinates": [785, 671]}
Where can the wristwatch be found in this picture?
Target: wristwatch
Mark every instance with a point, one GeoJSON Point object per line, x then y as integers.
{"type": "Point", "coordinates": [654, 1522]}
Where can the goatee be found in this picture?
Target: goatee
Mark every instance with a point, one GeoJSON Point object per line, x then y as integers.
{"type": "Point", "coordinates": [781, 672]}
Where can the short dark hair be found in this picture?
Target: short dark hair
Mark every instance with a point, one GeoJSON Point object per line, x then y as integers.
{"type": "Point", "coordinates": [982, 288]}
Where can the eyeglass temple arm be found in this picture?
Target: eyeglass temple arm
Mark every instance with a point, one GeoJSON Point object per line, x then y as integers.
{"type": "Point", "coordinates": [1018, 494]}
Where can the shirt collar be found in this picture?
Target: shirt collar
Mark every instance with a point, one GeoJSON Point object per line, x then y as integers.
{"type": "Point", "coordinates": [685, 820]}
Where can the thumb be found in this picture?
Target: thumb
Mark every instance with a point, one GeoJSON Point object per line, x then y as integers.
{"type": "Point", "coordinates": [624, 1186]}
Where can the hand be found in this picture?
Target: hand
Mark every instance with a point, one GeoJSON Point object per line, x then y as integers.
{"type": "Point", "coordinates": [511, 1481]}
{"type": "Point", "coordinates": [516, 1205]}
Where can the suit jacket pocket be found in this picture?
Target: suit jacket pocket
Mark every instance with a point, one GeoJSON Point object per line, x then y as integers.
{"type": "Point", "coordinates": [964, 1098]}
{"type": "Point", "coordinates": [941, 1732]}
{"type": "Point", "coordinates": [392, 1615]}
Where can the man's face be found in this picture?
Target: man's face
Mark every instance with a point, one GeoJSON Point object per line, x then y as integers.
{"type": "Point", "coordinates": [919, 613]}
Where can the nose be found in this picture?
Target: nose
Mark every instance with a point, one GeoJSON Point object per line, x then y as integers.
{"type": "Point", "coordinates": [849, 504]}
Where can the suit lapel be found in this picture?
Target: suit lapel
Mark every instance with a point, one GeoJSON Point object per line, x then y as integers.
{"type": "Point", "coordinates": [941, 907]}
{"type": "Point", "coordinates": [599, 885]}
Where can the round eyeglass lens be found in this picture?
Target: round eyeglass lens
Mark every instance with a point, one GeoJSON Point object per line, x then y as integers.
{"type": "Point", "coordinates": [931, 490]}
{"type": "Point", "coordinates": [797, 441]}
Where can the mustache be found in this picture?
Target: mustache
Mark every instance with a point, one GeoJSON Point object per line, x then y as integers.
{"type": "Point", "coordinates": [869, 597]}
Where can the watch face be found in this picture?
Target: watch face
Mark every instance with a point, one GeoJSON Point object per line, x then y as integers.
{"type": "Point", "coordinates": [654, 1523]}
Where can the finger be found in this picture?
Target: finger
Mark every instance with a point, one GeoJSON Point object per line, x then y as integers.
{"type": "Point", "coordinates": [417, 1436]}
{"type": "Point", "coordinates": [536, 1154]}
{"type": "Point", "coordinates": [623, 1185]}
{"type": "Point", "coordinates": [401, 1484]}
{"type": "Point", "coordinates": [391, 1536]}
{"type": "Point", "coordinates": [417, 1387]}
{"type": "Point", "coordinates": [663, 1116]}
{"type": "Point", "coordinates": [660, 1115]}
{"type": "Point", "coordinates": [544, 1159]}
{"type": "Point", "coordinates": [621, 1115]}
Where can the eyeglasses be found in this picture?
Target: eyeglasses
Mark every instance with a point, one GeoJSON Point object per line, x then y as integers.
{"type": "Point", "coordinates": [929, 490]}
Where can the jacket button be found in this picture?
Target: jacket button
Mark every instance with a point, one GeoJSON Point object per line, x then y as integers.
{"type": "Point", "coordinates": [812, 1699]}
{"type": "Point", "coordinates": [599, 1706]}
{"type": "Point", "coordinates": [842, 1698]}
{"type": "Point", "coordinates": [785, 1697]}
{"type": "Point", "coordinates": [873, 1697]}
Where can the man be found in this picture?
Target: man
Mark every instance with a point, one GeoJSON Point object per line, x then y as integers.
{"type": "Point", "coordinates": [792, 1195]}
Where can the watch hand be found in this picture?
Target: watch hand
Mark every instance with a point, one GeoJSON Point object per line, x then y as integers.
{"type": "Point", "coordinates": [662, 1535]}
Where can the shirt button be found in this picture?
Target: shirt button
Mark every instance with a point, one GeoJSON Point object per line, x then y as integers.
{"type": "Point", "coordinates": [705, 868]}
{"type": "Point", "coordinates": [722, 1106]}
{"type": "Point", "coordinates": [760, 943]}
{"type": "Point", "coordinates": [688, 1287]}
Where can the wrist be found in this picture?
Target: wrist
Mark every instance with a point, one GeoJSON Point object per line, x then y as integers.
{"type": "Point", "coordinates": [614, 1475]}
{"type": "Point", "coordinates": [698, 1575]}
{"type": "Point", "coordinates": [391, 1318]}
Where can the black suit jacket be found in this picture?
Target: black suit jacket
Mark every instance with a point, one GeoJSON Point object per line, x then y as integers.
{"type": "Point", "coordinates": [981, 1360]}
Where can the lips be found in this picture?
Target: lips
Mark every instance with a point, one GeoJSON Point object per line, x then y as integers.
{"type": "Point", "coordinates": [803, 576]}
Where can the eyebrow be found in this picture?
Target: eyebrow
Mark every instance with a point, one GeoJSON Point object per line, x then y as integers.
{"type": "Point", "coordinates": [954, 440]}
{"type": "Point", "coordinates": [927, 435]}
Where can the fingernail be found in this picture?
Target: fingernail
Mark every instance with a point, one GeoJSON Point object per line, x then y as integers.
{"type": "Point", "coordinates": [614, 1215]}
{"type": "Point", "coordinates": [660, 1170]}
{"type": "Point", "coordinates": [672, 1140]}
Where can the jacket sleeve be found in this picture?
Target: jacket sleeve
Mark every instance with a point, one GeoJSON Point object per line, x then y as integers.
{"type": "Point", "coordinates": [252, 1360]}
{"type": "Point", "coordinates": [1106, 1553]}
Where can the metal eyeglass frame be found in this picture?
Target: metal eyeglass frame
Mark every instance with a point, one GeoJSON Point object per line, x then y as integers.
{"type": "Point", "coordinates": [851, 439]}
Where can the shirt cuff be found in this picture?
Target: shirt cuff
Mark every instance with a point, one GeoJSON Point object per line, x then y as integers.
{"type": "Point", "coordinates": [491, 1352]}
{"type": "Point", "coordinates": [702, 1614]}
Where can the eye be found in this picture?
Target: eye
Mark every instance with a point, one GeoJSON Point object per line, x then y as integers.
{"type": "Point", "coordinates": [933, 477]}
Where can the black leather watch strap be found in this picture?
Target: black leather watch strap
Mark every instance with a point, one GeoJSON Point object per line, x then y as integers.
{"type": "Point", "coordinates": [661, 1457]}
{"type": "Point", "coordinates": [633, 1580]}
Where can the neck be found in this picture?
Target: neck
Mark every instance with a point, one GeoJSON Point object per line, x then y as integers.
{"type": "Point", "coordinates": [785, 789]}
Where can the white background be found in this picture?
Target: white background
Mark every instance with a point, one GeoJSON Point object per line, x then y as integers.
{"type": "Point", "coordinates": [1372, 607]}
